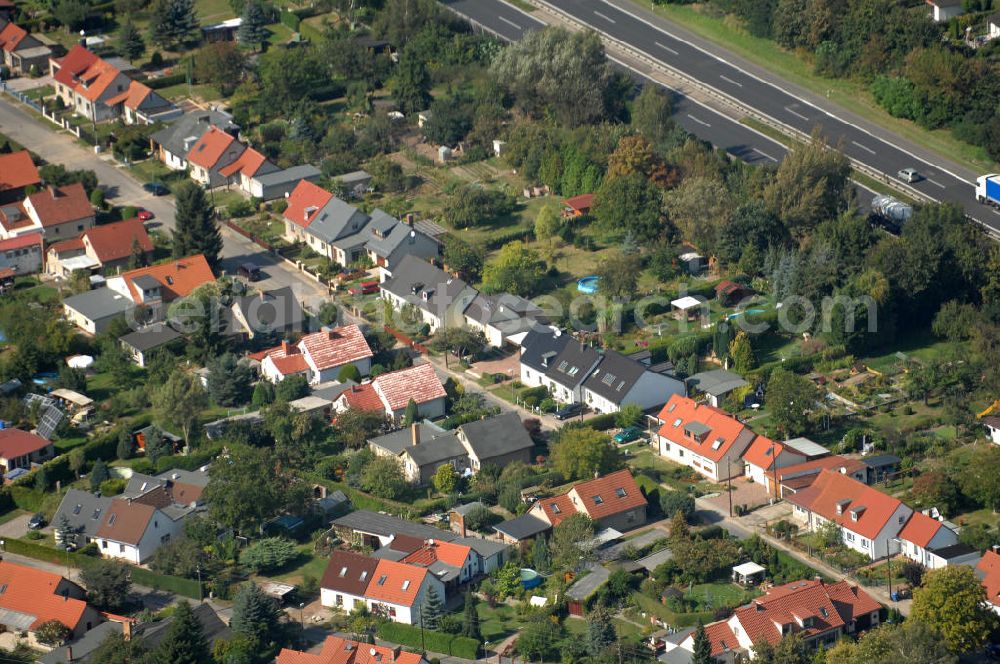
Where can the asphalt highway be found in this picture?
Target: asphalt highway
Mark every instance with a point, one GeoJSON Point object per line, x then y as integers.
{"type": "Point", "coordinates": [657, 43]}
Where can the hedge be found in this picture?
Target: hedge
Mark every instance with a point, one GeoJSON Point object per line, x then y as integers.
{"type": "Point", "coordinates": [437, 642]}
{"type": "Point", "coordinates": [498, 241]}
{"type": "Point", "coordinates": [602, 422]}
{"type": "Point", "coordinates": [290, 20]}
{"type": "Point", "coordinates": [167, 81]}
{"type": "Point", "coordinates": [143, 577]}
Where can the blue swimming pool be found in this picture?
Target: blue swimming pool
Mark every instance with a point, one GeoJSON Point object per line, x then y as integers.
{"type": "Point", "coordinates": [588, 284]}
{"type": "Point", "coordinates": [740, 313]}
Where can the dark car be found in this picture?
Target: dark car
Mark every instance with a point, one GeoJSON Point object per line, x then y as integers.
{"type": "Point", "coordinates": [569, 411]}
{"type": "Point", "coordinates": [156, 188]}
{"type": "Point", "coordinates": [249, 271]}
{"type": "Point", "coordinates": [37, 521]}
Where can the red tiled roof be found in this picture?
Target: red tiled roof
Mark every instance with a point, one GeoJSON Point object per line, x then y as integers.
{"type": "Point", "coordinates": [247, 163]}
{"type": "Point", "coordinates": [208, 149]}
{"type": "Point", "coordinates": [21, 241]}
{"type": "Point", "coordinates": [126, 521]}
{"type": "Point", "coordinates": [14, 217]}
{"type": "Point", "coordinates": [793, 604]}
{"type": "Point", "coordinates": [76, 244]}
{"type": "Point", "coordinates": [723, 429]}
{"type": "Point", "coordinates": [338, 650]}
{"type": "Point", "coordinates": [85, 73]}
{"type": "Point", "coordinates": [363, 397]}
{"type": "Point", "coordinates": [721, 637]}
{"type": "Point", "coordinates": [419, 383]}
{"type": "Point", "coordinates": [111, 242]}
{"type": "Point", "coordinates": [37, 593]}
{"type": "Point", "coordinates": [61, 205]}
{"type": "Point", "coordinates": [989, 567]}
{"type": "Point", "coordinates": [601, 497]}
{"type": "Point", "coordinates": [178, 277]}
{"type": "Point", "coordinates": [15, 443]}
{"type": "Point", "coordinates": [435, 550]}
{"type": "Point", "coordinates": [581, 203]}
{"type": "Point", "coordinates": [11, 36]}
{"type": "Point", "coordinates": [396, 583]}
{"type": "Point", "coordinates": [305, 196]}
{"type": "Point", "coordinates": [556, 509]}
{"type": "Point", "coordinates": [763, 451]}
{"type": "Point", "coordinates": [920, 529]}
{"type": "Point", "coordinates": [339, 346]}
{"type": "Point", "coordinates": [17, 170]}
{"type": "Point", "coordinates": [137, 93]}
{"type": "Point", "coordinates": [832, 488]}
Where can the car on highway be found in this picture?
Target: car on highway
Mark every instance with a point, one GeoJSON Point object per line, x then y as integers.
{"type": "Point", "coordinates": [908, 175]}
{"type": "Point", "coordinates": [569, 411]}
{"type": "Point", "coordinates": [249, 271]}
{"type": "Point", "coordinates": [627, 435]}
{"type": "Point", "coordinates": [364, 288]}
{"type": "Point", "coordinates": [145, 215]}
{"type": "Point", "coordinates": [156, 188]}
{"type": "Point", "coordinates": [37, 521]}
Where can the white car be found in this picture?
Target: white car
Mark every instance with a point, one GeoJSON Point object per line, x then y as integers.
{"type": "Point", "coordinates": [908, 175]}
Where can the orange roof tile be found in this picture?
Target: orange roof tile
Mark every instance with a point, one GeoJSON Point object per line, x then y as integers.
{"type": "Point", "coordinates": [11, 37]}
{"type": "Point", "coordinates": [178, 277]}
{"type": "Point", "coordinates": [396, 583]}
{"type": "Point", "coordinates": [15, 443]}
{"type": "Point", "coordinates": [833, 462]}
{"type": "Point", "coordinates": [419, 383]}
{"type": "Point", "coordinates": [85, 73]}
{"type": "Point", "coordinates": [613, 493]}
{"type": "Point", "coordinates": [37, 593]}
{"type": "Point", "coordinates": [17, 170]}
{"type": "Point", "coordinates": [989, 568]}
{"type": "Point", "coordinates": [920, 529]}
{"type": "Point", "coordinates": [362, 397]}
{"type": "Point", "coordinates": [723, 429]}
{"type": "Point", "coordinates": [137, 93]}
{"type": "Point", "coordinates": [556, 509]}
{"type": "Point", "coordinates": [832, 489]}
{"type": "Point", "coordinates": [721, 637]}
{"type": "Point", "coordinates": [336, 347]}
{"type": "Point", "coordinates": [286, 357]}
{"type": "Point", "coordinates": [304, 202]}
{"type": "Point", "coordinates": [763, 451]}
{"type": "Point", "coordinates": [581, 203]}
{"type": "Point", "coordinates": [21, 241]}
{"type": "Point", "coordinates": [247, 163]}
{"type": "Point", "coordinates": [208, 149]}
{"type": "Point", "coordinates": [111, 242]}
{"type": "Point", "coordinates": [435, 550]}
{"type": "Point", "coordinates": [61, 205]}
{"type": "Point", "coordinates": [338, 650]}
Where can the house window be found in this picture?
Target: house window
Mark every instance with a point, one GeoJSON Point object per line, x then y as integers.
{"type": "Point", "coordinates": [629, 517]}
{"type": "Point", "coordinates": [849, 536]}
{"type": "Point", "coordinates": [864, 543]}
{"type": "Point", "coordinates": [680, 452]}
{"type": "Point", "coordinates": [121, 548]}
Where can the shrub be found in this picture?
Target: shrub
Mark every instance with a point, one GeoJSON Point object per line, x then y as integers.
{"type": "Point", "coordinates": [112, 487]}
{"type": "Point", "coordinates": [268, 554]}
{"type": "Point", "coordinates": [241, 208]}
{"type": "Point", "coordinates": [52, 633]}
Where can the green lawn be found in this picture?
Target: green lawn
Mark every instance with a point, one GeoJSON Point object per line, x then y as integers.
{"type": "Point", "coordinates": [499, 622]}
{"type": "Point", "coordinates": [308, 564]}
{"type": "Point", "coordinates": [852, 95]}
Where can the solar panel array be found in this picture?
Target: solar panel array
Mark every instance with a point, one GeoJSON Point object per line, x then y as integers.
{"type": "Point", "coordinates": [49, 421]}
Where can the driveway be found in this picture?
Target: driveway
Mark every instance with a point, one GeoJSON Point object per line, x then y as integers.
{"type": "Point", "coordinates": [744, 493]}
{"type": "Point", "coordinates": [25, 83]}
{"type": "Point", "coordinates": [16, 527]}
{"type": "Point", "coordinates": [586, 586]}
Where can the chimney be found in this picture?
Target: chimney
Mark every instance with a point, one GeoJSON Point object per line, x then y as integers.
{"type": "Point", "coordinates": [415, 433]}
{"type": "Point", "coordinates": [286, 347]}
{"type": "Point", "coordinates": [69, 653]}
{"type": "Point", "coordinates": [396, 652]}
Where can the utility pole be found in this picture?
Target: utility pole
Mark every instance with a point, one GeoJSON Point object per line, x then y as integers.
{"type": "Point", "coordinates": [729, 466]}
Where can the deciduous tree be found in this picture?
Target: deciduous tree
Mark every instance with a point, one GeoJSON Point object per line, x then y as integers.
{"type": "Point", "coordinates": [569, 542]}
{"type": "Point", "coordinates": [384, 477]}
{"type": "Point", "coordinates": [179, 402]}
{"type": "Point", "coordinates": [788, 399]}
{"type": "Point", "coordinates": [952, 602]}
{"type": "Point", "coordinates": [107, 583]}
{"type": "Point", "coordinates": [581, 452]}
{"type": "Point", "coordinates": [516, 269]}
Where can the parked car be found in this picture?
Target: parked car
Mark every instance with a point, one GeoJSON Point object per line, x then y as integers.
{"type": "Point", "coordinates": [908, 175]}
{"type": "Point", "coordinates": [364, 288]}
{"type": "Point", "coordinates": [145, 215]}
{"type": "Point", "coordinates": [249, 271]}
{"type": "Point", "coordinates": [569, 411]}
{"type": "Point", "coordinates": [37, 521]}
{"type": "Point", "coordinates": [156, 188]}
{"type": "Point", "coordinates": [627, 435]}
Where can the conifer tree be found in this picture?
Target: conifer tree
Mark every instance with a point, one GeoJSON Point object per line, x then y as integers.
{"type": "Point", "coordinates": [196, 231]}
{"type": "Point", "coordinates": [702, 647]}
{"type": "Point", "coordinates": [130, 41]}
{"type": "Point", "coordinates": [252, 32]}
{"type": "Point", "coordinates": [432, 609]}
{"type": "Point", "coordinates": [470, 618]}
{"type": "Point", "coordinates": [185, 641]}
{"type": "Point", "coordinates": [256, 616]}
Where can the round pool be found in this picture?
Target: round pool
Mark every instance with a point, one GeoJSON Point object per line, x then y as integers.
{"type": "Point", "coordinates": [588, 284]}
{"type": "Point", "coordinates": [530, 578]}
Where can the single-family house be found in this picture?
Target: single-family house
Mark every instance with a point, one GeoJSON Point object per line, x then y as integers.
{"type": "Point", "coordinates": [453, 563]}
{"type": "Point", "coordinates": [249, 165]}
{"type": "Point", "coordinates": [21, 52]}
{"type": "Point", "coordinates": [500, 317]}
{"type": "Point", "coordinates": [142, 342]}
{"type": "Point", "coordinates": [943, 11]}
{"type": "Point", "coordinates": [618, 380]}
{"type": "Point", "coordinates": [104, 249]}
{"type": "Point", "coordinates": [172, 143]}
{"type": "Point", "coordinates": [569, 369]}
{"type": "Point", "coordinates": [538, 348]}
{"type": "Point", "coordinates": [320, 356]}
{"type": "Point", "coordinates": [20, 449]}
{"type": "Point", "coordinates": [799, 476]}
{"type": "Point", "coordinates": [716, 385]}
{"type": "Point", "coordinates": [210, 154]}
{"type": "Point", "coordinates": [763, 459]}
{"type": "Point", "coordinates": [817, 612]}
{"type": "Point", "coordinates": [268, 186]}
{"type": "Point", "coordinates": [55, 212]}
{"type": "Point", "coordinates": [578, 206]}
{"type": "Point", "coordinates": [17, 171]}
{"type": "Point", "coordinates": [499, 441]}
{"type": "Point", "coordinates": [267, 314]}
{"type": "Point", "coordinates": [391, 393]}
{"type": "Point", "coordinates": [869, 520]}
{"type": "Point", "coordinates": [390, 240]}
{"type": "Point", "coordinates": [158, 285]}
{"type": "Point", "coordinates": [22, 254]}
{"type": "Point", "coordinates": [338, 650]}
{"type": "Point", "coordinates": [933, 543]}
{"type": "Point", "coordinates": [436, 296]}
{"type": "Point", "coordinates": [32, 597]}
{"type": "Point", "coordinates": [703, 437]}
{"type": "Point", "coordinates": [611, 501]}
{"type": "Point", "coordinates": [730, 293]}
{"type": "Point", "coordinates": [988, 571]}
{"type": "Point", "coordinates": [422, 449]}
{"type": "Point", "coordinates": [92, 311]}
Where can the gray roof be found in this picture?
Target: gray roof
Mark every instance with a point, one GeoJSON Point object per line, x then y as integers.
{"type": "Point", "coordinates": [83, 510]}
{"type": "Point", "coordinates": [436, 450]}
{"type": "Point", "coordinates": [415, 276]}
{"type": "Point", "coordinates": [509, 313]}
{"type": "Point", "coordinates": [99, 304]}
{"type": "Point", "coordinates": [354, 177]}
{"type": "Point", "coordinates": [587, 585]}
{"type": "Point", "coordinates": [484, 547]}
{"type": "Point", "coordinates": [337, 219]}
{"type": "Point", "coordinates": [330, 391]}
{"type": "Point", "coordinates": [150, 337]}
{"type": "Point", "coordinates": [654, 560]}
{"type": "Point", "coordinates": [275, 310]}
{"type": "Point", "coordinates": [522, 527]}
{"type": "Point", "coordinates": [84, 646]}
{"type": "Point", "coordinates": [496, 436]}
{"type": "Point", "coordinates": [716, 383]}
{"type": "Point", "coordinates": [807, 447]}
{"type": "Point", "coordinates": [401, 439]}
{"type": "Point", "coordinates": [293, 174]}
{"type": "Point", "coordinates": [387, 233]}
{"type": "Point", "coordinates": [211, 626]}
{"type": "Point", "coordinates": [573, 364]}
{"type": "Point", "coordinates": [193, 477]}
{"type": "Point", "coordinates": [191, 125]}
{"type": "Point", "coordinates": [881, 460]}
{"type": "Point", "coordinates": [615, 376]}
{"type": "Point", "coordinates": [539, 342]}
{"type": "Point", "coordinates": [954, 551]}
{"type": "Point", "coordinates": [146, 282]}
{"type": "Point", "coordinates": [374, 523]}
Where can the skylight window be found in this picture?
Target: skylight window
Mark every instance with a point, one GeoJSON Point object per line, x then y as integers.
{"type": "Point", "coordinates": [608, 379]}
{"type": "Point", "coordinates": [598, 500]}
{"type": "Point", "coordinates": [343, 572]}
{"type": "Point", "coordinates": [621, 385]}
{"type": "Point", "coordinates": [97, 513]}
{"type": "Point", "coordinates": [364, 575]}
{"type": "Point", "coordinates": [717, 443]}
{"type": "Point", "coordinates": [677, 422]}
{"type": "Point", "coordinates": [3, 589]}
{"type": "Point", "coordinates": [406, 584]}
{"type": "Point", "coordinates": [555, 508]}
{"type": "Point", "coordinates": [76, 510]}
{"type": "Point", "coordinates": [823, 612]}
{"type": "Point", "coordinates": [671, 407]}
{"type": "Point", "coordinates": [562, 366]}
{"type": "Point", "coordinates": [620, 492]}
{"type": "Point", "coordinates": [111, 521]}
{"type": "Point", "coordinates": [170, 280]}
{"type": "Point", "coordinates": [381, 580]}
{"type": "Point", "coordinates": [573, 371]}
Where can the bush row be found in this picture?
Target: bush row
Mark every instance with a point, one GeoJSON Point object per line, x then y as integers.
{"type": "Point", "coordinates": [438, 642]}
{"type": "Point", "coordinates": [167, 81]}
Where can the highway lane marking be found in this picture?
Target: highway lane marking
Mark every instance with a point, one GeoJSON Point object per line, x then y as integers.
{"type": "Point", "coordinates": [701, 122]}
{"type": "Point", "coordinates": [863, 147]}
{"type": "Point", "coordinates": [729, 80]}
{"type": "Point", "coordinates": [606, 18]}
{"type": "Point", "coordinates": [666, 48]}
{"type": "Point", "coordinates": [797, 114]}
{"type": "Point", "coordinates": [935, 183]}
{"type": "Point", "coordinates": [510, 23]}
{"type": "Point", "coordinates": [765, 154]}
